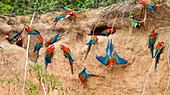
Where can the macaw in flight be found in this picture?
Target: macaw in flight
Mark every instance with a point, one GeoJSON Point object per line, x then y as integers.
{"type": "Point", "coordinates": [83, 74]}
{"type": "Point", "coordinates": [109, 59]}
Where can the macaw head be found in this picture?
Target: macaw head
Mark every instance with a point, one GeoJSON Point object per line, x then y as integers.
{"type": "Point", "coordinates": [46, 44]}
{"type": "Point", "coordinates": [52, 47]}
{"type": "Point", "coordinates": [110, 65]}
{"type": "Point", "coordinates": [162, 43]}
{"type": "Point", "coordinates": [27, 27]}
{"type": "Point", "coordinates": [62, 46]}
{"type": "Point", "coordinates": [6, 36]}
{"type": "Point", "coordinates": [19, 39]}
{"type": "Point", "coordinates": [95, 38]}
{"type": "Point", "coordinates": [72, 12]}
{"type": "Point", "coordinates": [155, 31]}
{"type": "Point", "coordinates": [113, 30]}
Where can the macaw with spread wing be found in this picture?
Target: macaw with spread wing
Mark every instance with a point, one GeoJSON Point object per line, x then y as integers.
{"type": "Point", "coordinates": [83, 75]}
{"type": "Point", "coordinates": [107, 60]}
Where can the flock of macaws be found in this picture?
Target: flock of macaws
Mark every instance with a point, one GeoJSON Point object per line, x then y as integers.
{"type": "Point", "coordinates": [108, 60]}
{"type": "Point", "coordinates": [159, 47]}
{"type": "Point", "coordinates": [147, 5]}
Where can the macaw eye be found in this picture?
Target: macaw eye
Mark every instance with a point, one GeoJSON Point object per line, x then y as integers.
{"type": "Point", "coordinates": [26, 27]}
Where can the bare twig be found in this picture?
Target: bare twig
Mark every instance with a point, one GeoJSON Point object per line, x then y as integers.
{"type": "Point", "coordinates": [169, 69]}
{"type": "Point", "coordinates": [150, 72]}
{"type": "Point", "coordinates": [27, 56]}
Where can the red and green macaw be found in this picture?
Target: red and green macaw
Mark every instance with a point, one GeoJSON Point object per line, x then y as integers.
{"type": "Point", "coordinates": [107, 32]}
{"type": "Point", "coordinates": [109, 59]}
{"type": "Point", "coordinates": [148, 5]}
{"type": "Point", "coordinates": [158, 51]}
{"type": "Point", "coordinates": [93, 40]}
{"type": "Point", "coordinates": [48, 56]}
{"type": "Point", "coordinates": [19, 42]}
{"type": "Point", "coordinates": [54, 39]}
{"type": "Point", "coordinates": [67, 53]}
{"type": "Point", "coordinates": [32, 31]}
{"type": "Point", "coordinates": [83, 74]}
{"type": "Point", "coordinates": [152, 39]}
{"type": "Point", "coordinates": [38, 45]}
{"type": "Point", "coordinates": [14, 37]}
{"type": "Point", "coordinates": [66, 12]}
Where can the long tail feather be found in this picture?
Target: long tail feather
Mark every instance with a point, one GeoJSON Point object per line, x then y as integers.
{"type": "Point", "coordinates": [151, 50]}
{"type": "Point", "coordinates": [98, 75]}
{"type": "Point", "coordinates": [156, 61]}
{"type": "Point", "coordinates": [63, 35]}
{"type": "Point", "coordinates": [53, 27]}
{"type": "Point", "coordinates": [89, 46]}
{"type": "Point", "coordinates": [155, 15]}
{"type": "Point", "coordinates": [71, 64]}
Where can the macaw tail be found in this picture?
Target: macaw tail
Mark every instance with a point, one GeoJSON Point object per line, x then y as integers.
{"type": "Point", "coordinates": [88, 49]}
{"type": "Point", "coordinates": [157, 60]}
{"type": "Point", "coordinates": [71, 64]}
{"type": "Point", "coordinates": [53, 27]}
{"type": "Point", "coordinates": [151, 49]}
{"type": "Point", "coordinates": [155, 15]}
{"type": "Point", "coordinates": [21, 30]}
{"type": "Point", "coordinates": [63, 35]}
{"type": "Point", "coordinates": [91, 74]}
{"type": "Point", "coordinates": [37, 35]}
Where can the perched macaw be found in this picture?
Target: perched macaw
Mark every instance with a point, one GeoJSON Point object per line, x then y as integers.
{"type": "Point", "coordinates": [158, 51]}
{"type": "Point", "coordinates": [83, 74]}
{"type": "Point", "coordinates": [54, 39]}
{"type": "Point", "coordinates": [14, 37]}
{"type": "Point", "coordinates": [93, 40]}
{"type": "Point", "coordinates": [152, 39]}
{"type": "Point", "coordinates": [134, 24]}
{"type": "Point", "coordinates": [117, 60]}
{"type": "Point", "coordinates": [107, 60]}
{"type": "Point", "coordinates": [148, 5]}
{"type": "Point", "coordinates": [38, 45]}
{"type": "Point", "coordinates": [48, 56]}
{"type": "Point", "coordinates": [67, 53]}
{"type": "Point", "coordinates": [65, 14]}
{"type": "Point", "coordinates": [19, 42]}
{"type": "Point", "coordinates": [32, 31]}
{"type": "Point", "coordinates": [107, 32]}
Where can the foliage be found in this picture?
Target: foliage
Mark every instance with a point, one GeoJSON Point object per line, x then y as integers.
{"type": "Point", "coordinates": [50, 80]}
{"type": "Point", "coordinates": [23, 7]}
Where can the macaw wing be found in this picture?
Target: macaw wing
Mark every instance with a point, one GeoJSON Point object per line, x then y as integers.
{"type": "Point", "coordinates": [118, 59]}
{"type": "Point", "coordinates": [104, 60]}
{"type": "Point", "coordinates": [156, 52]}
{"type": "Point", "coordinates": [90, 42]}
{"type": "Point", "coordinates": [15, 36]}
{"type": "Point", "coordinates": [55, 38]}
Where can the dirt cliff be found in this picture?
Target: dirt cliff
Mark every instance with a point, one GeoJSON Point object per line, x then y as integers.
{"type": "Point", "coordinates": [130, 44]}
